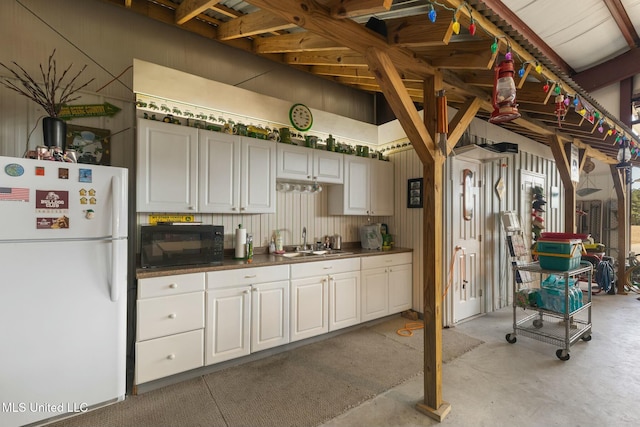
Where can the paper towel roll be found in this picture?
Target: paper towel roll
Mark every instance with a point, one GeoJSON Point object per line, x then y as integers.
{"type": "Point", "coordinates": [241, 242]}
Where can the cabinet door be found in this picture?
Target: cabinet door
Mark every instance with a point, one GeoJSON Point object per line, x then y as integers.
{"type": "Point", "coordinates": [400, 288]}
{"type": "Point", "coordinates": [328, 167]}
{"type": "Point", "coordinates": [382, 193]}
{"type": "Point", "coordinates": [375, 293]}
{"type": "Point", "coordinates": [228, 324]}
{"type": "Point", "coordinates": [167, 167]}
{"type": "Point", "coordinates": [309, 310]}
{"type": "Point", "coordinates": [219, 189]}
{"type": "Point", "coordinates": [257, 176]}
{"type": "Point", "coordinates": [294, 162]}
{"type": "Point", "coordinates": [344, 300]}
{"type": "Point", "coordinates": [352, 198]}
{"type": "Point", "coordinates": [269, 315]}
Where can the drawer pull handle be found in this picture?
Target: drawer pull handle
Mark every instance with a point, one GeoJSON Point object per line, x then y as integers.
{"type": "Point", "coordinates": [250, 277]}
{"type": "Point", "coordinates": [327, 268]}
{"type": "Point", "coordinates": [172, 316]}
{"type": "Point", "coordinates": [389, 260]}
{"type": "Point", "coordinates": [173, 285]}
{"type": "Point", "coordinates": [171, 356]}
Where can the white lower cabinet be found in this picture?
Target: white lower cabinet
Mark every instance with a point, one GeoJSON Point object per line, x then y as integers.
{"type": "Point", "coordinates": [190, 320]}
{"type": "Point", "coordinates": [386, 285]}
{"type": "Point", "coordinates": [169, 326]}
{"type": "Point", "coordinates": [315, 287]}
{"type": "Point", "coordinates": [247, 311]}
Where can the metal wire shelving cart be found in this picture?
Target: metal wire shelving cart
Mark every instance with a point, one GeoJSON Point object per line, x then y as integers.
{"type": "Point", "coordinates": [562, 327]}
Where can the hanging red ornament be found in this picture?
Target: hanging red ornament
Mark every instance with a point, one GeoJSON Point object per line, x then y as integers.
{"type": "Point", "coordinates": [545, 88]}
{"type": "Point", "coordinates": [472, 28]}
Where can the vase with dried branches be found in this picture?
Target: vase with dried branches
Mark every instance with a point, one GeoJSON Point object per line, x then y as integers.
{"type": "Point", "coordinates": [51, 94]}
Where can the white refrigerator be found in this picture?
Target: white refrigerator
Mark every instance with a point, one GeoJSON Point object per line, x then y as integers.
{"type": "Point", "coordinates": [63, 288]}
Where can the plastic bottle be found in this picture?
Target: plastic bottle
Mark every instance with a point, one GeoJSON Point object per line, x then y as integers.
{"type": "Point", "coordinates": [279, 242]}
{"type": "Point", "coordinates": [249, 248]}
{"type": "Point", "coordinates": [272, 246]}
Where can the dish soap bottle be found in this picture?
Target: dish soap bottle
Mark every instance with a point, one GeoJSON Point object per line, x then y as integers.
{"type": "Point", "coordinates": [249, 248]}
{"type": "Point", "coordinates": [272, 245]}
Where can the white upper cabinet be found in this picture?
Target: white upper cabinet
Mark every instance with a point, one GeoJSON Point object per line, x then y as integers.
{"type": "Point", "coordinates": [367, 189]}
{"type": "Point", "coordinates": [167, 172]}
{"type": "Point", "coordinates": [183, 169]}
{"type": "Point", "coordinates": [220, 171]}
{"type": "Point", "coordinates": [306, 164]}
{"type": "Point", "coordinates": [257, 176]}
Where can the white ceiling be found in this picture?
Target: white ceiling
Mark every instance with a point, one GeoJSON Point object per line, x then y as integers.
{"type": "Point", "coordinates": [583, 33]}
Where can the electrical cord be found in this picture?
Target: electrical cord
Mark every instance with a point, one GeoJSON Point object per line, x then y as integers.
{"type": "Point", "coordinates": [408, 329]}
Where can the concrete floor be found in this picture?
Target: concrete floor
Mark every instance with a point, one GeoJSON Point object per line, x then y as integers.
{"type": "Point", "coordinates": [524, 384]}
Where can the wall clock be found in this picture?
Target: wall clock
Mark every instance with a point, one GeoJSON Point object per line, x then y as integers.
{"type": "Point", "coordinates": [301, 117]}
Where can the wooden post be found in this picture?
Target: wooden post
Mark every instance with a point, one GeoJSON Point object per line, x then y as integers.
{"type": "Point", "coordinates": [432, 224]}
{"type": "Point", "coordinates": [421, 136]}
{"type": "Point", "coordinates": [564, 168]}
{"type": "Point", "coordinates": [619, 183]}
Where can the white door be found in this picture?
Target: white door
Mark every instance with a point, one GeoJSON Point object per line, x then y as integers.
{"type": "Point", "coordinates": [309, 307]}
{"type": "Point", "coordinates": [219, 190]}
{"type": "Point", "coordinates": [269, 315]}
{"type": "Point", "coordinates": [228, 324]}
{"type": "Point", "coordinates": [167, 176]}
{"type": "Point", "coordinates": [258, 176]}
{"type": "Point", "coordinates": [356, 186]}
{"type": "Point", "coordinates": [375, 293]}
{"type": "Point", "coordinates": [400, 288]}
{"type": "Point", "coordinates": [344, 300]}
{"type": "Point", "coordinates": [382, 188]}
{"type": "Point", "coordinates": [467, 283]}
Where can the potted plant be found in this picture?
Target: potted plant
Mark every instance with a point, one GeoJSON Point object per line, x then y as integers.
{"type": "Point", "coordinates": [51, 95]}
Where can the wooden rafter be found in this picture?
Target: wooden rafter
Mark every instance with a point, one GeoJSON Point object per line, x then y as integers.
{"type": "Point", "coordinates": [189, 9]}
{"type": "Point", "coordinates": [340, 9]}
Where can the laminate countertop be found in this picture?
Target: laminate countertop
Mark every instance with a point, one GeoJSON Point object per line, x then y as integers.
{"type": "Point", "coordinates": [262, 260]}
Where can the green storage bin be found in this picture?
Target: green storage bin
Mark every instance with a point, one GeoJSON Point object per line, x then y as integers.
{"type": "Point", "coordinates": [559, 255]}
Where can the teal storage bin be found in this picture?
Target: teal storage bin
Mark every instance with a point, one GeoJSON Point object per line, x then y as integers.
{"type": "Point", "coordinates": [559, 255]}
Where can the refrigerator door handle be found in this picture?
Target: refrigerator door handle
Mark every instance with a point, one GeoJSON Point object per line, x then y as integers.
{"type": "Point", "coordinates": [116, 195]}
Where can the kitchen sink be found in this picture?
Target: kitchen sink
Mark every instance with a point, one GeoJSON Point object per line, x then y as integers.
{"type": "Point", "coordinates": [316, 254]}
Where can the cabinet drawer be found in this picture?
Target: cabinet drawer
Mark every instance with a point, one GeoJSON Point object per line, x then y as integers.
{"type": "Point", "coordinates": [169, 355]}
{"type": "Point", "coordinates": [170, 285]}
{"type": "Point", "coordinates": [158, 317]}
{"type": "Point", "coordinates": [246, 276]}
{"type": "Point", "coordinates": [320, 268]}
{"type": "Point", "coordinates": [386, 260]}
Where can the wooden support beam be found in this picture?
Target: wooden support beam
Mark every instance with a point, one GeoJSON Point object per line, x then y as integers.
{"type": "Point", "coordinates": [252, 24]}
{"type": "Point", "coordinates": [564, 168]}
{"type": "Point", "coordinates": [432, 225]}
{"type": "Point", "coordinates": [461, 122]}
{"type": "Point", "coordinates": [382, 67]}
{"type": "Point", "coordinates": [295, 42]}
{"type": "Point", "coordinates": [619, 184]}
{"type": "Point", "coordinates": [347, 58]}
{"type": "Point", "coordinates": [413, 31]}
{"type": "Point", "coordinates": [189, 9]}
{"type": "Point", "coordinates": [312, 16]}
{"type": "Point", "coordinates": [341, 9]}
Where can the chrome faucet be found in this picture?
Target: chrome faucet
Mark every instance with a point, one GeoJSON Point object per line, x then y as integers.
{"type": "Point", "coordinates": [304, 238]}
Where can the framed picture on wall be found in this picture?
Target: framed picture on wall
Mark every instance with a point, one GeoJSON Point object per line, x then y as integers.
{"type": "Point", "coordinates": [414, 193]}
{"type": "Point", "coordinates": [92, 145]}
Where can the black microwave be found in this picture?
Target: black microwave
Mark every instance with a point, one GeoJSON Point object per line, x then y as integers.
{"type": "Point", "coordinates": [168, 245]}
